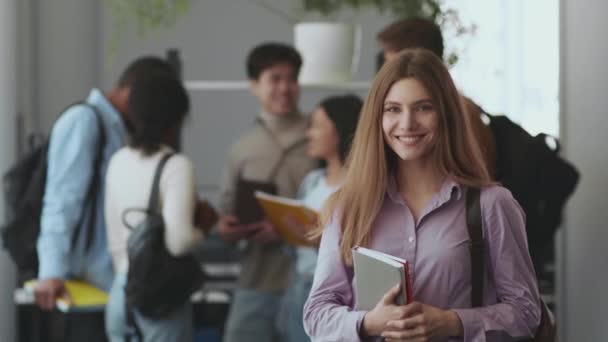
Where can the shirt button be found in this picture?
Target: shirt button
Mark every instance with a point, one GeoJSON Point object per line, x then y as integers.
{"type": "Point", "coordinates": [411, 239]}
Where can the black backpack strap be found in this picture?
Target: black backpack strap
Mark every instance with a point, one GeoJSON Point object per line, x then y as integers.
{"type": "Point", "coordinates": [154, 201]}
{"type": "Point", "coordinates": [476, 246]}
{"type": "Point", "coordinates": [284, 150]}
{"type": "Point", "coordinates": [94, 186]}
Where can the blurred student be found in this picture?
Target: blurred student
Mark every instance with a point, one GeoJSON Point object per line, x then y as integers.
{"type": "Point", "coordinates": [72, 242]}
{"type": "Point", "coordinates": [158, 104]}
{"type": "Point", "coordinates": [273, 152]}
{"type": "Point", "coordinates": [329, 137]}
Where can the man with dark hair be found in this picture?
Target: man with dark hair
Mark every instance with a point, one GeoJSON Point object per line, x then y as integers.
{"type": "Point", "coordinates": [266, 55]}
{"type": "Point", "coordinates": [408, 33]}
{"type": "Point", "coordinates": [423, 33]}
{"type": "Point", "coordinates": [72, 240]}
{"type": "Point", "coordinates": [270, 155]}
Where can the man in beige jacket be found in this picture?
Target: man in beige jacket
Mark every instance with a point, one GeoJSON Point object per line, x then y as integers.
{"type": "Point", "coordinates": [272, 152]}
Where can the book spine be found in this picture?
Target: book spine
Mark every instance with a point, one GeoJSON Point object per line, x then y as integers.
{"type": "Point", "coordinates": [408, 284]}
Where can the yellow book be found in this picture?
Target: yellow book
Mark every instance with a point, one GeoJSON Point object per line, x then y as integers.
{"type": "Point", "coordinates": [82, 296]}
{"type": "Point", "coordinates": [279, 210]}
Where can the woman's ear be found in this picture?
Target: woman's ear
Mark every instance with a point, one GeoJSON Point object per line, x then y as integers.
{"type": "Point", "coordinates": [121, 99]}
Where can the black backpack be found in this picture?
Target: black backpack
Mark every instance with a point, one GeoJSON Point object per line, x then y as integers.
{"type": "Point", "coordinates": [539, 179]}
{"type": "Point", "coordinates": [157, 282]}
{"type": "Point", "coordinates": [24, 185]}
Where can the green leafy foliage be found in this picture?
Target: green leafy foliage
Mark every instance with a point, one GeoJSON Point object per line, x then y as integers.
{"type": "Point", "coordinates": [146, 15]}
{"type": "Point", "coordinates": [398, 8]}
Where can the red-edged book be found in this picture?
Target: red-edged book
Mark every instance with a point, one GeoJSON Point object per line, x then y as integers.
{"type": "Point", "coordinates": [375, 274]}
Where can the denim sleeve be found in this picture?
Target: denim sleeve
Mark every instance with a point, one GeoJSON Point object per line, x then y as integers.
{"type": "Point", "coordinates": [71, 154]}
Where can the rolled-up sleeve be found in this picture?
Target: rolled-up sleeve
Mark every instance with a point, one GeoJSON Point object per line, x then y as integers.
{"type": "Point", "coordinates": [517, 312]}
{"type": "Point", "coordinates": [328, 313]}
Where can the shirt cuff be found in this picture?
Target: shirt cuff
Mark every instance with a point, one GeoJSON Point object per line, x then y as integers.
{"type": "Point", "coordinates": [472, 325]}
{"type": "Point", "coordinates": [50, 266]}
{"type": "Point", "coordinates": [354, 319]}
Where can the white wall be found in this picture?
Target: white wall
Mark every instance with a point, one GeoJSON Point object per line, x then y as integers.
{"type": "Point", "coordinates": [584, 109]}
{"type": "Point", "coordinates": [68, 54]}
{"type": "Point", "coordinates": [8, 94]}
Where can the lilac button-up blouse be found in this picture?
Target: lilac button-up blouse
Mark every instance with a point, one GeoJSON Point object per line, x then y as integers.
{"type": "Point", "coordinates": [438, 252]}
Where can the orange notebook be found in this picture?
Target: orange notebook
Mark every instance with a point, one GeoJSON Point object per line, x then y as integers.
{"type": "Point", "coordinates": [279, 209]}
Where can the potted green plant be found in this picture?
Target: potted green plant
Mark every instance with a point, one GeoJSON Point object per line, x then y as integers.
{"type": "Point", "coordinates": [330, 49]}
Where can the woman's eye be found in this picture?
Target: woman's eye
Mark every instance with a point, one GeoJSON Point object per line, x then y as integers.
{"type": "Point", "coordinates": [391, 109]}
{"type": "Point", "coordinates": [424, 108]}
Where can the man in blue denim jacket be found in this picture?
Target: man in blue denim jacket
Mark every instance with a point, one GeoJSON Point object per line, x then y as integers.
{"type": "Point", "coordinates": [72, 150]}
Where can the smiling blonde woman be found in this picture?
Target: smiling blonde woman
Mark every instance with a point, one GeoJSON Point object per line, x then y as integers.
{"type": "Point", "coordinates": [412, 161]}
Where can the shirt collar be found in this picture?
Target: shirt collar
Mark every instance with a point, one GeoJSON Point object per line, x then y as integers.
{"type": "Point", "coordinates": [449, 190]}
{"type": "Point", "coordinates": [99, 100]}
{"type": "Point", "coordinates": [275, 121]}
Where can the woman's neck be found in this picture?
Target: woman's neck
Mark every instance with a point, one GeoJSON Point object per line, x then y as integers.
{"type": "Point", "coordinates": [334, 171]}
{"type": "Point", "coordinates": [418, 179]}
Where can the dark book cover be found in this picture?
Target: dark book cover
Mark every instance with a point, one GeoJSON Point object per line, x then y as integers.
{"type": "Point", "coordinates": [246, 207]}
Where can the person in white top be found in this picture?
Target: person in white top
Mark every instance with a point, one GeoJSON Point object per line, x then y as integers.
{"type": "Point", "coordinates": [158, 104]}
{"type": "Point", "coordinates": [329, 137]}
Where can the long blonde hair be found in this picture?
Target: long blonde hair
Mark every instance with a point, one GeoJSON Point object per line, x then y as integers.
{"type": "Point", "coordinates": [456, 154]}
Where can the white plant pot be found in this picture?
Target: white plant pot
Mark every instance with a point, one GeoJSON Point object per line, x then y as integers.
{"type": "Point", "coordinates": [330, 51]}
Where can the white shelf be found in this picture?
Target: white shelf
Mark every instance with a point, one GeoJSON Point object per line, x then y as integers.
{"type": "Point", "coordinates": [244, 85]}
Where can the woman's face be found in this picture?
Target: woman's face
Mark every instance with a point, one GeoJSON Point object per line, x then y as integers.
{"type": "Point", "coordinates": [322, 136]}
{"type": "Point", "coordinates": [409, 120]}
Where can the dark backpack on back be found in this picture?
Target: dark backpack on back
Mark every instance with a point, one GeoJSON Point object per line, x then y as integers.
{"type": "Point", "coordinates": [157, 282]}
{"type": "Point", "coordinates": [539, 179]}
{"type": "Point", "coordinates": [24, 186]}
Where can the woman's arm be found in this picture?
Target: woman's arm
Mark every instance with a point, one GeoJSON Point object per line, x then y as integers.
{"type": "Point", "coordinates": [179, 200]}
{"type": "Point", "coordinates": [328, 315]}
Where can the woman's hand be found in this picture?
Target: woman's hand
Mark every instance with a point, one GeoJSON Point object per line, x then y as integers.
{"type": "Point", "coordinates": [301, 230]}
{"type": "Point", "coordinates": [374, 322]}
{"type": "Point", "coordinates": [421, 322]}
{"type": "Point", "coordinates": [205, 216]}
{"type": "Point", "coordinates": [264, 233]}
{"type": "Point", "coordinates": [230, 229]}
{"type": "Point", "coordinates": [296, 227]}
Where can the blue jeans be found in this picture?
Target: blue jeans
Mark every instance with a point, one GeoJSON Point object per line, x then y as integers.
{"type": "Point", "coordinates": [177, 327]}
{"type": "Point", "coordinates": [252, 317]}
{"type": "Point", "coordinates": [289, 323]}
